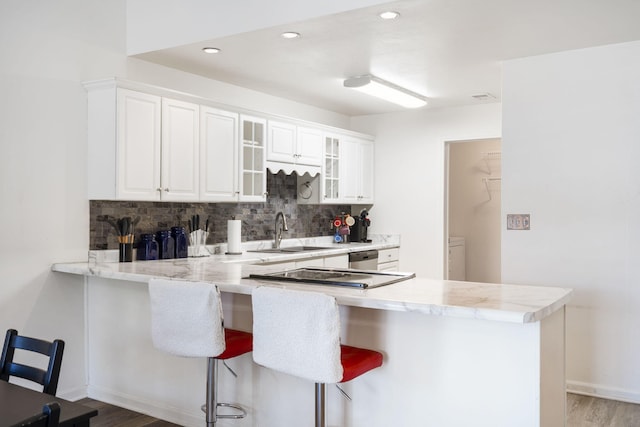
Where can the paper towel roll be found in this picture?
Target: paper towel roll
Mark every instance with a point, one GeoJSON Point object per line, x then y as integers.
{"type": "Point", "coordinates": [234, 236]}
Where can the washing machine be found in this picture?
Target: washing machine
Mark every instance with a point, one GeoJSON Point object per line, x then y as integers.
{"type": "Point", "coordinates": [456, 261]}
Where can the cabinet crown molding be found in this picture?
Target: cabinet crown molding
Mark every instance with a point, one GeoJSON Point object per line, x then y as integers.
{"type": "Point", "coordinates": [118, 82]}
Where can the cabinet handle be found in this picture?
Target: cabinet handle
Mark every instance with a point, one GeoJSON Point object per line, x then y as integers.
{"type": "Point", "coordinates": [158, 189]}
{"type": "Point", "coordinates": [166, 189]}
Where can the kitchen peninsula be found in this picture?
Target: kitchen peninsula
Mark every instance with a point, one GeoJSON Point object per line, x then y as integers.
{"type": "Point", "coordinates": [455, 353]}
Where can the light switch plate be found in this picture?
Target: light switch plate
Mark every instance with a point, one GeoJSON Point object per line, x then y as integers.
{"type": "Point", "coordinates": [518, 222]}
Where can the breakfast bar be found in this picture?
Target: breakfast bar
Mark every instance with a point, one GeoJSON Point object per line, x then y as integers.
{"type": "Point", "coordinates": [455, 353]}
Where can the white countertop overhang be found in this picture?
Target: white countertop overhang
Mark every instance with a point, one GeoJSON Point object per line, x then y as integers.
{"type": "Point", "coordinates": [496, 302]}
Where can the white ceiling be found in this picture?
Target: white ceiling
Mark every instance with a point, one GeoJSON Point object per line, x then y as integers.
{"type": "Point", "coordinates": [447, 50]}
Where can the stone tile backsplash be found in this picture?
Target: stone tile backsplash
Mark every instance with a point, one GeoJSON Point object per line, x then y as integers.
{"type": "Point", "coordinates": [257, 218]}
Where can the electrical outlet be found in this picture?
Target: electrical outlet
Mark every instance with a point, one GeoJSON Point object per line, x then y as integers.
{"type": "Point", "coordinates": [518, 222]}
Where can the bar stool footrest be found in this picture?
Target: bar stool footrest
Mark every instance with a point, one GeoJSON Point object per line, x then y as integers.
{"type": "Point", "coordinates": [242, 414]}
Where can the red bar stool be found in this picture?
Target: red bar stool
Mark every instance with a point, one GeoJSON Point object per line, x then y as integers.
{"type": "Point", "coordinates": [186, 320]}
{"type": "Point", "coordinates": [298, 333]}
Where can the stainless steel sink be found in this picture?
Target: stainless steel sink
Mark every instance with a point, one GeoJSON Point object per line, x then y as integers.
{"type": "Point", "coordinates": [292, 249]}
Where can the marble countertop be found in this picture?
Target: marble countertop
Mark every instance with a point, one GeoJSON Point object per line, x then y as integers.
{"type": "Point", "coordinates": [250, 256]}
{"type": "Point", "coordinates": [498, 302]}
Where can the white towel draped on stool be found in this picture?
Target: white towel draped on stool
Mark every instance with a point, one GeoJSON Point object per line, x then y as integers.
{"type": "Point", "coordinates": [297, 332]}
{"type": "Point", "coordinates": [186, 318]}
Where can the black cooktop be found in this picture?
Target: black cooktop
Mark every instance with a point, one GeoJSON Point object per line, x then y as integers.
{"type": "Point", "coordinates": [336, 277]}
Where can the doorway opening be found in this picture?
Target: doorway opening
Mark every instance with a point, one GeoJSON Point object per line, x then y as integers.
{"type": "Point", "coordinates": [473, 171]}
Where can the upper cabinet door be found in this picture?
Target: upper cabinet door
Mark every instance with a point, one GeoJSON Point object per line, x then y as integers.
{"type": "Point", "coordinates": [218, 155]}
{"type": "Point", "coordinates": [366, 172]}
{"type": "Point", "coordinates": [253, 180]}
{"type": "Point", "coordinates": [180, 176]}
{"type": "Point", "coordinates": [356, 171]}
{"type": "Point", "coordinates": [282, 142]}
{"type": "Point", "coordinates": [138, 146]}
{"type": "Point", "coordinates": [309, 147]}
{"type": "Point", "coordinates": [331, 169]}
{"type": "Point", "coordinates": [349, 171]}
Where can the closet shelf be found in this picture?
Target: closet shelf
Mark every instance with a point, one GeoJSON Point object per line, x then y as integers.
{"type": "Point", "coordinates": [492, 183]}
{"type": "Point", "coordinates": [493, 161]}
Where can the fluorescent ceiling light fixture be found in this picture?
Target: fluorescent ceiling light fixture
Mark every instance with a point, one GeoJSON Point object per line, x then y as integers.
{"type": "Point", "coordinates": [210, 50]}
{"type": "Point", "coordinates": [290, 35]}
{"type": "Point", "coordinates": [390, 14]}
{"type": "Point", "coordinates": [375, 86]}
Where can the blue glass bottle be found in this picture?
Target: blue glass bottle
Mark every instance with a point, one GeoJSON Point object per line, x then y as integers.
{"type": "Point", "coordinates": [181, 242]}
{"type": "Point", "coordinates": [147, 248]}
{"type": "Point", "coordinates": [166, 246]}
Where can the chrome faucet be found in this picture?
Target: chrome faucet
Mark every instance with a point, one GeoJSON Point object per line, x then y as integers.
{"type": "Point", "coordinates": [279, 230]}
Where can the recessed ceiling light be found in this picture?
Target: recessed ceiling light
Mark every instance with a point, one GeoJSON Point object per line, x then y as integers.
{"type": "Point", "coordinates": [290, 35]}
{"type": "Point", "coordinates": [210, 50]}
{"type": "Point", "coordinates": [390, 14]}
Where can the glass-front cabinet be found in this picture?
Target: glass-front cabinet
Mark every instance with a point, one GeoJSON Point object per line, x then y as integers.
{"type": "Point", "coordinates": [253, 182]}
{"type": "Point", "coordinates": [331, 169]}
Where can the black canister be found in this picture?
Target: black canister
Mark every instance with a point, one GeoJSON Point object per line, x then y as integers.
{"type": "Point", "coordinates": [181, 242]}
{"type": "Point", "coordinates": [166, 246]}
{"type": "Point", "coordinates": [147, 248]}
{"type": "Point", "coordinates": [125, 252]}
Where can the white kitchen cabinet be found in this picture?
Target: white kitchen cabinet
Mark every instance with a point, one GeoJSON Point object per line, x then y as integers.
{"type": "Point", "coordinates": [219, 155]}
{"type": "Point", "coordinates": [311, 262]}
{"type": "Point", "coordinates": [325, 187]}
{"type": "Point", "coordinates": [138, 145]}
{"type": "Point", "coordinates": [141, 146]}
{"type": "Point", "coordinates": [356, 171]}
{"type": "Point", "coordinates": [151, 143]}
{"type": "Point", "coordinates": [333, 261]}
{"type": "Point", "coordinates": [282, 145]}
{"type": "Point", "coordinates": [253, 180]}
{"type": "Point", "coordinates": [331, 169]}
{"type": "Point", "coordinates": [389, 259]}
{"type": "Point", "coordinates": [180, 170]}
{"type": "Point", "coordinates": [337, 261]}
{"type": "Point", "coordinates": [294, 148]}
{"type": "Point", "coordinates": [309, 146]}
{"type": "Point", "coordinates": [347, 173]}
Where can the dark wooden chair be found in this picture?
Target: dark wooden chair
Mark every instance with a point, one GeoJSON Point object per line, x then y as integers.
{"type": "Point", "coordinates": [49, 378]}
{"type": "Point", "coordinates": [50, 417]}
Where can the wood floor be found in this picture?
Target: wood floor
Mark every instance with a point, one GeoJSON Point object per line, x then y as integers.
{"type": "Point", "coordinates": [585, 411]}
{"type": "Point", "coordinates": [582, 411]}
{"type": "Point", "coordinates": [111, 416]}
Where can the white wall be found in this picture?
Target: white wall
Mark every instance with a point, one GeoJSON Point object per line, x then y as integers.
{"type": "Point", "coordinates": [410, 175]}
{"type": "Point", "coordinates": [571, 147]}
{"type": "Point", "coordinates": [217, 91]}
{"type": "Point", "coordinates": [474, 206]}
{"type": "Point", "coordinates": [48, 49]}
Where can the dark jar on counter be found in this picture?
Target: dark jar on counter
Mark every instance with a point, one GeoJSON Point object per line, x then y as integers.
{"type": "Point", "coordinates": [166, 246]}
{"type": "Point", "coordinates": [181, 242]}
{"type": "Point", "coordinates": [147, 248]}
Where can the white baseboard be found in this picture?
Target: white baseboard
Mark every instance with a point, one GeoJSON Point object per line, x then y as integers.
{"type": "Point", "coordinates": [603, 391]}
{"type": "Point", "coordinates": [73, 394]}
{"type": "Point", "coordinates": [154, 409]}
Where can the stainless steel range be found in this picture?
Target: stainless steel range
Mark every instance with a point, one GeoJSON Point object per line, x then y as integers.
{"type": "Point", "coordinates": [349, 277]}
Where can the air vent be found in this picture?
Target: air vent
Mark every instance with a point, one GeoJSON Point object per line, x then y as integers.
{"type": "Point", "coordinates": [483, 97]}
